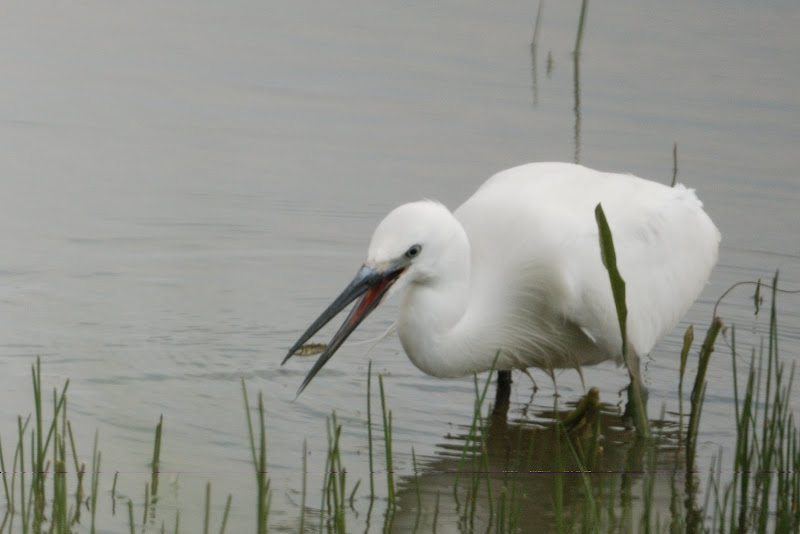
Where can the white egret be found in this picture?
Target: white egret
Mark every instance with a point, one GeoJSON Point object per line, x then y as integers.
{"type": "Point", "coordinates": [516, 270]}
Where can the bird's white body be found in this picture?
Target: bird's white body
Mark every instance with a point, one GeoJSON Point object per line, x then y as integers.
{"type": "Point", "coordinates": [517, 269]}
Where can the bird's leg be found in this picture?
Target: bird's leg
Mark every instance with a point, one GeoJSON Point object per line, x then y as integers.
{"type": "Point", "coordinates": [533, 390]}
{"type": "Point", "coordinates": [503, 393]}
{"type": "Point", "coordinates": [636, 384]}
{"type": "Point", "coordinates": [535, 387]}
{"type": "Point", "coordinates": [552, 374]}
{"type": "Point", "coordinates": [580, 374]}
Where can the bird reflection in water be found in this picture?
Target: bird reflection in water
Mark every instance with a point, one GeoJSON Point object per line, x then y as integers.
{"type": "Point", "coordinates": [520, 460]}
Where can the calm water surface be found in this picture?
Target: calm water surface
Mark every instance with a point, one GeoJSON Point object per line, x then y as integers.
{"type": "Point", "coordinates": [186, 185]}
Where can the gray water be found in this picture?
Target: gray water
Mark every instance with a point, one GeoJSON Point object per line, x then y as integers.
{"type": "Point", "coordinates": [186, 185]}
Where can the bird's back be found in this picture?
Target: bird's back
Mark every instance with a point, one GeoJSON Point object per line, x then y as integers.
{"type": "Point", "coordinates": [533, 233]}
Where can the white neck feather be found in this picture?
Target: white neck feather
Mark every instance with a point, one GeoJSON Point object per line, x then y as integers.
{"type": "Point", "coordinates": [434, 309]}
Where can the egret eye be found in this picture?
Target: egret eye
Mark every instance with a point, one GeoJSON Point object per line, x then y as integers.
{"type": "Point", "coordinates": [413, 251]}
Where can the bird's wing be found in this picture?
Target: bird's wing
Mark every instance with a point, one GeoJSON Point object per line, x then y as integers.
{"type": "Point", "coordinates": [542, 225]}
{"type": "Point", "coordinates": [666, 247]}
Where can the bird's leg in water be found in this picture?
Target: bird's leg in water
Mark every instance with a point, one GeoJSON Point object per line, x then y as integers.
{"type": "Point", "coordinates": [503, 394]}
{"type": "Point", "coordinates": [552, 374]}
{"type": "Point", "coordinates": [580, 374]}
{"type": "Point", "coordinates": [636, 384]}
{"type": "Point", "coordinates": [535, 387]}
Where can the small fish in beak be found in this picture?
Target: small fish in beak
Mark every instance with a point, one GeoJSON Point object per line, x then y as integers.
{"type": "Point", "coordinates": [371, 285]}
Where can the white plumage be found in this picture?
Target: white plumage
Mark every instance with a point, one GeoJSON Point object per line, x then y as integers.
{"type": "Point", "coordinates": [517, 269]}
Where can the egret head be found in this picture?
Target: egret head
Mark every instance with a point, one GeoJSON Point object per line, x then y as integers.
{"type": "Point", "coordinates": [405, 249]}
{"type": "Point", "coordinates": [413, 235]}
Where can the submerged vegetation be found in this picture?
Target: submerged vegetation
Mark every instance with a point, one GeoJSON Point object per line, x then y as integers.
{"type": "Point", "coordinates": [585, 471]}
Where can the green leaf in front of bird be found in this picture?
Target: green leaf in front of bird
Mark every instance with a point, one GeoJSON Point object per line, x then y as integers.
{"type": "Point", "coordinates": [609, 257]}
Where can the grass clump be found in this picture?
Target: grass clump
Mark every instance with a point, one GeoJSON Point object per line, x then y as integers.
{"type": "Point", "coordinates": [29, 508]}
{"type": "Point", "coordinates": [764, 493]}
{"type": "Point", "coordinates": [258, 449]}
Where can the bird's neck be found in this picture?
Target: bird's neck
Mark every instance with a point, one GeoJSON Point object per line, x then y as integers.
{"type": "Point", "coordinates": [433, 309]}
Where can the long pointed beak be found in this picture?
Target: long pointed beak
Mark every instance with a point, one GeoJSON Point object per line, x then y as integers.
{"type": "Point", "coordinates": [369, 284]}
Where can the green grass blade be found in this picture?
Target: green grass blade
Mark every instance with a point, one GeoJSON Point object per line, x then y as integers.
{"type": "Point", "coordinates": [259, 456]}
{"type": "Point", "coordinates": [697, 391]}
{"type": "Point", "coordinates": [305, 480]}
{"type": "Point", "coordinates": [369, 432]}
{"type": "Point", "coordinates": [95, 483]}
{"type": "Point", "coordinates": [226, 514]}
{"type": "Point", "coordinates": [155, 464]}
{"type": "Point", "coordinates": [387, 438]}
{"type": "Point", "coordinates": [417, 489]}
{"type": "Point", "coordinates": [130, 517]}
{"type": "Point", "coordinates": [581, 25]}
{"type": "Point", "coordinates": [9, 507]}
{"type": "Point", "coordinates": [609, 258]}
{"type": "Point", "coordinates": [207, 515]}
